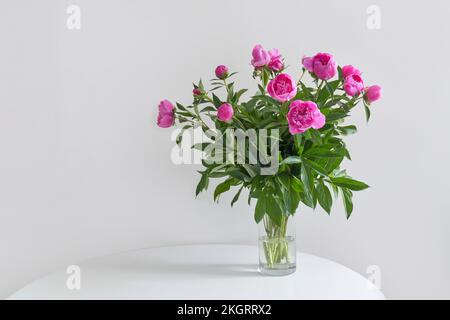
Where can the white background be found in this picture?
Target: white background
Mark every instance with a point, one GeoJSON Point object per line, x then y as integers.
{"type": "Point", "coordinates": [85, 171]}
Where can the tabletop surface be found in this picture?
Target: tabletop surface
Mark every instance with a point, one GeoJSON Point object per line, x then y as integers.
{"type": "Point", "coordinates": [198, 272]}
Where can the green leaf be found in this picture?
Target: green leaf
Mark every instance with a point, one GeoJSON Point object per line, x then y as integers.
{"type": "Point", "coordinates": [349, 104]}
{"type": "Point", "coordinates": [200, 146]}
{"type": "Point", "coordinates": [346, 153]}
{"type": "Point", "coordinates": [218, 174]}
{"type": "Point", "coordinates": [333, 85]}
{"type": "Point", "coordinates": [315, 166]}
{"type": "Point", "coordinates": [283, 180]}
{"type": "Point", "coordinates": [333, 163]}
{"type": "Point", "coordinates": [261, 88]}
{"type": "Point", "coordinates": [208, 108]}
{"type": "Point", "coordinates": [267, 100]}
{"type": "Point", "coordinates": [265, 77]}
{"type": "Point", "coordinates": [216, 101]}
{"type": "Point", "coordinates": [348, 203]}
{"type": "Point", "coordinates": [260, 209]}
{"type": "Point", "coordinates": [236, 196]}
{"type": "Point", "coordinates": [298, 143]}
{"type": "Point", "coordinates": [335, 115]}
{"type": "Point", "coordinates": [287, 200]}
{"type": "Point", "coordinates": [237, 173]}
{"type": "Point", "coordinates": [349, 183]}
{"type": "Point", "coordinates": [323, 152]}
{"type": "Point", "coordinates": [221, 188]}
{"type": "Point", "coordinates": [181, 107]}
{"type": "Point", "coordinates": [308, 184]}
{"type": "Point", "coordinates": [250, 105]}
{"type": "Point", "coordinates": [180, 135]}
{"type": "Point", "coordinates": [239, 94]}
{"type": "Point", "coordinates": [340, 73]}
{"type": "Point", "coordinates": [347, 130]}
{"type": "Point", "coordinates": [306, 91]}
{"type": "Point", "coordinates": [336, 100]}
{"type": "Point", "coordinates": [327, 91]}
{"type": "Point", "coordinates": [324, 196]}
{"type": "Point", "coordinates": [200, 85]}
{"type": "Point", "coordinates": [367, 111]}
{"type": "Point", "coordinates": [274, 210]}
{"type": "Point", "coordinates": [252, 170]}
{"type": "Point", "coordinates": [292, 200]}
{"type": "Point", "coordinates": [315, 136]}
{"type": "Point", "coordinates": [291, 160]}
{"type": "Point", "coordinates": [297, 185]}
{"type": "Point", "coordinates": [202, 184]}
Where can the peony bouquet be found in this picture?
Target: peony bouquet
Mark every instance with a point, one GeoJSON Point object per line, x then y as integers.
{"type": "Point", "coordinates": [285, 143]}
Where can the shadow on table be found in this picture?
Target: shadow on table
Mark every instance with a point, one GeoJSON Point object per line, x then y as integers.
{"type": "Point", "coordinates": [165, 267]}
{"type": "Point", "coordinates": [236, 270]}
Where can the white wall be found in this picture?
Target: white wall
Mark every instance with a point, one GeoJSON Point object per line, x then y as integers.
{"type": "Point", "coordinates": [84, 171]}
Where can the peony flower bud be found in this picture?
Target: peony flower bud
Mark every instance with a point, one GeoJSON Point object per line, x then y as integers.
{"type": "Point", "coordinates": [353, 85]}
{"type": "Point", "coordinates": [221, 72]}
{"type": "Point", "coordinates": [197, 92]}
{"type": "Point", "coordinates": [373, 93]}
{"type": "Point", "coordinates": [166, 116]}
{"type": "Point", "coordinates": [276, 62]}
{"type": "Point", "coordinates": [322, 65]}
{"type": "Point", "coordinates": [260, 57]}
{"type": "Point", "coordinates": [349, 70]}
{"type": "Point", "coordinates": [225, 112]}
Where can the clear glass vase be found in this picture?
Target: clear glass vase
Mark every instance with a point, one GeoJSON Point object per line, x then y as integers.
{"type": "Point", "coordinates": [277, 249]}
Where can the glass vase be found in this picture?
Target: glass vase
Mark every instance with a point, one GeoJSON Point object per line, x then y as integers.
{"type": "Point", "coordinates": [277, 249]}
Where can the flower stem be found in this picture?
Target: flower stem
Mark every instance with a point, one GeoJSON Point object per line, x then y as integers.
{"type": "Point", "coordinates": [275, 244]}
{"type": "Point", "coordinates": [318, 89]}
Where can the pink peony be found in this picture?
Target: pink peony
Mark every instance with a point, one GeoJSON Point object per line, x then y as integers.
{"type": "Point", "coordinates": [166, 116]}
{"type": "Point", "coordinates": [221, 72]}
{"type": "Point", "coordinates": [373, 93]}
{"type": "Point", "coordinates": [260, 56]}
{"type": "Point", "coordinates": [282, 87]}
{"type": "Point", "coordinates": [353, 85]}
{"type": "Point", "coordinates": [276, 62]}
{"type": "Point", "coordinates": [322, 65]}
{"type": "Point", "coordinates": [303, 115]}
{"type": "Point", "coordinates": [349, 70]}
{"type": "Point", "coordinates": [225, 112]}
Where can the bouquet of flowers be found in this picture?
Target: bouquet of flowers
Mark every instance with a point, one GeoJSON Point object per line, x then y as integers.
{"type": "Point", "coordinates": [285, 143]}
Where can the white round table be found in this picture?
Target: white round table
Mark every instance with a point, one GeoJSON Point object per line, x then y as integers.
{"type": "Point", "coordinates": [200, 272]}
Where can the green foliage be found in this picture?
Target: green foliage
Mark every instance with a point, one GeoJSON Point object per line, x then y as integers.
{"type": "Point", "coordinates": [349, 183]}
{"type": "Point", "coordinates": [324, 196]}
{"type": "Point", "coordinates": [309, 163]}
